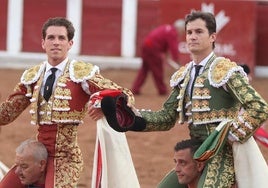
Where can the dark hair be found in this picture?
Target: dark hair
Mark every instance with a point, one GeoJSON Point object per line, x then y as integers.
{"type": "Point", "coordinates": [193, 144]}
{"type": "Point", "coordinates": [59, 21]}
{"type": "Point", "coordinates": [245, 68]}
{"type": "Point", "coordinates": [207, 17]}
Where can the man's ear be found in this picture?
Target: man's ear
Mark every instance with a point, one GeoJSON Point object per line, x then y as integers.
{"type": "Point", "coordinates": [43, 165]}
{"type": "Point", "coordinates": [200, 166]}
{"type": "Point", "coordinates": [43, 44]}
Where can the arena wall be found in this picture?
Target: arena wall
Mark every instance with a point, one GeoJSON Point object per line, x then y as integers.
{"type": "Point", "coordinates": [107, 36]}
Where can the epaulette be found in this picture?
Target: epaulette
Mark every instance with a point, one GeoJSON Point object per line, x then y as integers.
{"type": "Point", "coordinates": [179, 75]}
{"type": "Point", "coordinates": [221, 69]}
{"type": "Point", "coordinates": [81, 71]}
{"type": "Point", "coordinates": [32, 74]}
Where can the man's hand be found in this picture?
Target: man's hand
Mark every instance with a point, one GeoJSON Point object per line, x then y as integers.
{"type": "Point", "coordinates": [135, 110]}
{"type": "Point", "coordinates": [94, 113]}
{"type": "Point", "coordinates": [94, 108]}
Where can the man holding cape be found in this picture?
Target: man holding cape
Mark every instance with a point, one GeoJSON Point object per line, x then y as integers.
{"type": "Point", "coordinates": [209, 92]}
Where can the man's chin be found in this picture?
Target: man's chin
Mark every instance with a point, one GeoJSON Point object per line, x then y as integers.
{"type": "Point", "coordinates": [193, 50]}
{"type": "Point", "coordinates": [181, 181]}
{"type": "Point", "coordinates": [23, 182]}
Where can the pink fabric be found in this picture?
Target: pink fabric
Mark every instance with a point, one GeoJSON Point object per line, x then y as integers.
{"type": "Point", "coordinates": [262, 136]}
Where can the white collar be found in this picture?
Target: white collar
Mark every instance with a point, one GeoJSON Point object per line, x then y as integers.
{"type": "Point", "coordinates": [205, 60]}
{"type": "Point", "coordinates": [61, 66]}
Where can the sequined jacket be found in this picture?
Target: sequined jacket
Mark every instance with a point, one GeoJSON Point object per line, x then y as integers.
{"type": "Point", "coordinates": [219, 94]}
{"type": "Point", "coordinates": [68, 103]}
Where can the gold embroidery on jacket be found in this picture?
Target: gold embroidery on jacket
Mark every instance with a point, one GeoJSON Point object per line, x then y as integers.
{"type": "Point", "coordinates": [71, 164]}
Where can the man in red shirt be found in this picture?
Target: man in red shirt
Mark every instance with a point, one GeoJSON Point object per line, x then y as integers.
{"type": "Point", "coordinates": [160, 45]}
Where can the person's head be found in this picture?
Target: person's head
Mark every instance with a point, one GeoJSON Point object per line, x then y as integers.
{"type": "Point", "coordinates": [30, 161]}
{"type": "Point", "coordinates": [245, 68]}
{"type": "Point", "coordinates": [57, 39]}
{"type": "Point", "coordinates": [187, 169]}
{"type": "Point", "coordinates": [200, 30]}
{"type": "Point", "coordinates": [179, 25]}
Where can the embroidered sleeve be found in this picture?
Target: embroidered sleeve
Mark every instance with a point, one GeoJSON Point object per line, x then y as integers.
{"type": "Point", "coordinates": [92, 81]}
{"type": "Point", "coordinates": [14, 105]}
{"type": "Point", "coordinates": [255, 109]}
{"type": "Point", "coordinates": [165, 118]}
{"type": "Point", "coordinates": [98, 83]}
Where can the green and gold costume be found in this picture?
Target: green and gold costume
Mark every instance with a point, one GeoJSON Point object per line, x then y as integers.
{"type": "Point", "coordinates": [219, 94]}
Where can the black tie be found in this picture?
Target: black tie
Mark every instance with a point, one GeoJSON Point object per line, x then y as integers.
{"type": "Point", "coordinates": [197, 69]}
{"type": "Point", "coordinates": [49, 84]}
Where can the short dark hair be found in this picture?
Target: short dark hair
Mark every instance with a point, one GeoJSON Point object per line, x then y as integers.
{"type": "Point", "coordinates": [59, 21]}
{"type": "Point", "coordinates": [207, 17]}
{"type": "Point", "coordinates": [245, 68]}
{"type": "Point", "coordinates": [192, 144]}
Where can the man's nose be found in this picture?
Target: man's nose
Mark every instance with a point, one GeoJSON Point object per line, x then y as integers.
{"type": "Point", "coordinates": [177, 168]}
{"type": "Point", "coordinates": [193, 35]}
{"type": "Point", "coordinates": [56, 41]}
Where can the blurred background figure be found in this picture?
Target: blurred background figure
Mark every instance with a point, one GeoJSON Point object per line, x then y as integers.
{"type": "Point", "coordinates": [159, 46]}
